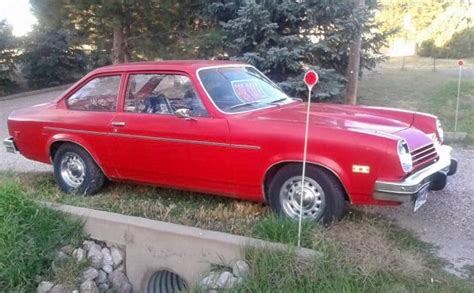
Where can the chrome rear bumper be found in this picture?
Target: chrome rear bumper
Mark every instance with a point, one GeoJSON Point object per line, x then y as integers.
{"type": "Point", "coordinates": [406, 190]}
{"type": "Point", "coordinates": [10, 145]}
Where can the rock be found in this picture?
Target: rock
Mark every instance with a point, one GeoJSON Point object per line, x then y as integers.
{"type": "Point", "coordinates": [103, 287]}
{"type": "Point", "coordinates": [44, 287]}
{"type": "Point", "coordinates": [226, 281]}
{"type": "Point", "coordinates": [107, 268]}
{"type": "Point", "coordinates": [95, 256]}
{"type": "Point", "coordinates": [210, 282]}
{"type": "Point", "coordinates": [67, 249]}
{"type": "Point", "coordinates": [121, 268]}
{"type": "Point", "coordinates": [90, 274]}
{"type": "Point", "coordinates": [75, 291]}
{"type": "Point", "coordinates": [101, 278]}
{"type": "Point", "coordinates": [79, 254]}
{"type": "Point", "coordinates": [240, 268]}
{"type": "Point", "coordinates": [218, 280]}
{"type": "Point", "coordinates": [89, 286]}
{"type": "Point", "coordinates": [61, 255]}
{"type": "Point", "coordinates": [120, 282]}
{"type": "Point", "coordinates": [107, 261]}
{"type": "Point", "coordinates": [59, 288]}
{"type": "Point", "coordinates": [87, 244]}
{"type": "Point", "coordinates": [117, 256]}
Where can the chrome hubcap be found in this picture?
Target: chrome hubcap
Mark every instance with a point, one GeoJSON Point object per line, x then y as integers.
{"type": "Point", "coordinates": [73, 169]}
{"type": "Point", "coordinates": [313, 198]}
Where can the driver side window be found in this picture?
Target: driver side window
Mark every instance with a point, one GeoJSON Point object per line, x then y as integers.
{"type": "Point", "coordinates": [162, 94]}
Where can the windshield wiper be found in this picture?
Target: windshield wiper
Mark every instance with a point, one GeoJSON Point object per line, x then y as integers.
{"type": "Point", "coordinates": [278, 101]}
{"type": "Point", "coordinates": [244, 104]}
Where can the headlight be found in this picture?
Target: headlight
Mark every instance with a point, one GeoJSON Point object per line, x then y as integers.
{"type": "Point", "coordinates": [404, 156]}
{"type": "Point", "coordinates": [440, 131]}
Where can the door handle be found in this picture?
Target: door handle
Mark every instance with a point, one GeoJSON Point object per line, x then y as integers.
{"type": "Point", "coordinates": [118, 123]}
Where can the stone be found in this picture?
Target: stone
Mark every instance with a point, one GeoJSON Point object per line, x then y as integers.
{"type": "Point", "coordinates": [121, 268]}
{"type": "Point", "coordinates": [89, 286]}
{"type": "Point", "coordinates": [61, 255]}
{"type": "Point", "coordinates": [75, 291]}
{"type": "Point", "coordinates": [101, 278]}
{"type": "Point", "coordinates": [67, 249]}
{"type": "Point", "coordinates": [210, 281]}
{"type": "Point", "coordinates": [107, 261]}
{"type": "Point", "coordinates": [59, 288]}
{"type": "Point", "coordinates": [107, 268]}
{"type": "Point", "coordinates": [226, 281]}
{"type": "Point", "coordinates": [103, 287]}
{"type": "Point", "coordinates": [90, 274]}
{"type": "Point", "coordinates": [218, 280]}
{"type": "Point", "coordinates": [117, 256]}
{"type": "Point", "coordinates": [95, 256]}
{"type": "Point", "coordinates": [87, 244]}
{"type": "Point", "coordinates": [79, 254]}
{"type": "Point", "coordinates": [44, 287]}
{"type": "Point", "coordinates": [120, 282]}
{"type": "Point", "coordinates": [240, 268]}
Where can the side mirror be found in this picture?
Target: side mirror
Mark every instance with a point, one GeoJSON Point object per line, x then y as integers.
{"type": "Point", "coordinates": [183, 113]}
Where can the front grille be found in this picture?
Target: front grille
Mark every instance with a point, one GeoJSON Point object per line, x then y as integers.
{"type": "Point", "coordinates": [424, 156]}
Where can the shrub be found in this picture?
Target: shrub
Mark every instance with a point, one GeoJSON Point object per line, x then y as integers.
{"type": "Point", "coordinates": [50, 59]}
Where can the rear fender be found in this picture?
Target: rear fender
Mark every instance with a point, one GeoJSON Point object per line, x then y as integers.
{"type": "Point", "coordinates": [71, 138]}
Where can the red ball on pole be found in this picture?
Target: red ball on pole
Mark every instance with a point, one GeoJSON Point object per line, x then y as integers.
{"type": "Point", "coordinates": [461, 62]}
{"type": "Point", "coordinates": [311, 78]}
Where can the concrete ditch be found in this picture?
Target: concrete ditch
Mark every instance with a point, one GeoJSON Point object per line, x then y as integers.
{"type": "Point", "coordinates": [153, 247]}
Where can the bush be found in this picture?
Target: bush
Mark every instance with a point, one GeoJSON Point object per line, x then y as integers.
{"type": "Point", "coordinates": [29, 235]}
{"type": "Point", "coordinates": [50, 59]}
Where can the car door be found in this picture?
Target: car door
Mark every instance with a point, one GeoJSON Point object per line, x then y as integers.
{"type": "Point", "coordinates": [153, 145]}
{"type": "Point", "coordinates": [88, 112]}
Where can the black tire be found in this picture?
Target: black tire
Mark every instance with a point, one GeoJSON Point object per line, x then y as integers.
{"type": "Point", "coordinates": [93, 178]}
{"type": "Point", "coordinates": [334, 195]}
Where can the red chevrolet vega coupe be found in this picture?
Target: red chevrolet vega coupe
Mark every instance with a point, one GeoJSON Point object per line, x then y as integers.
{"type": "Point", "coordinates": [224, 128]}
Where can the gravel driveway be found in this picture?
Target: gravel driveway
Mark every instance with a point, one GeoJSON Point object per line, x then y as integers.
{"type": "Point", "coordinates": [446, 220]}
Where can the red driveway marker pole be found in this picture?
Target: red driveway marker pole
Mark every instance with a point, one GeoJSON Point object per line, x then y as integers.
{"type": "Point", "coordinates": [310, 79]}
{"type": "Point", "coordinates": [460, 64]}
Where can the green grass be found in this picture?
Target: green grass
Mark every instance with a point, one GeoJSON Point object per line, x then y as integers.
{"type": "Point", "coordinates": [29, 235]}
{"type": "Point", "coordinates": [418, 88]}
{"type": "Point", "coordinates": [363, 252]}
{"type": "Point", "coordinates": [342, 268]}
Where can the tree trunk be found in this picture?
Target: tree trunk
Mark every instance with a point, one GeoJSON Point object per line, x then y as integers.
{"type": "Point", "coordinates": [353, 65]}
{"type": "Point", "coordinates": [117, 47]}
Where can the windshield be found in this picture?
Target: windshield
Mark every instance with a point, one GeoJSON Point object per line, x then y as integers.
{"type": "Point", "coordinates": [240, 89]}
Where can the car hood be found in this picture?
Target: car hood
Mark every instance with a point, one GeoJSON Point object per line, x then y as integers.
{"type": "Point", "coordinates": [355, 118]}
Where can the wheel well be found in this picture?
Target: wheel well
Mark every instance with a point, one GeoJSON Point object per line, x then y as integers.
{"type": "Point", "coordinates": [54, 148]}
{"type": "Point", "coordinates": [275, 168]}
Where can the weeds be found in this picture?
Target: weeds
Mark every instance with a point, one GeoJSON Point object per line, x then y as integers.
{"type": "Point", "coordinates": [29, 235]}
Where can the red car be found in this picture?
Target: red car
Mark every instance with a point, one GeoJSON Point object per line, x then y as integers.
{"type": "Point", "coordinates": [224, 128]}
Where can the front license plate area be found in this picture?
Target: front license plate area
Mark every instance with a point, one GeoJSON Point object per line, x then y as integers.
{"type": "Point", "coordinates": [421, 198]}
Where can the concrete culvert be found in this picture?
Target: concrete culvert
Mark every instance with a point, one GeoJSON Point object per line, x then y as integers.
{"type": "Point", "coordinates": [165, 281]}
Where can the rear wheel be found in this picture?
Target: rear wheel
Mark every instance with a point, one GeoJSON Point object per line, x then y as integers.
{"type": "Point", "coordinates": [75, 171]}
{"type": "Point", "coordinates": [323, 196]}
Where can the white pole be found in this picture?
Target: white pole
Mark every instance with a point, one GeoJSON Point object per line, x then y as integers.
{"type": "Point", "coordinates": [304, 166]}
{"type": "Point", "coordinates": [457, 102]}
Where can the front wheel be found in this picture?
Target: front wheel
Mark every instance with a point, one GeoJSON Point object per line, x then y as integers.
{"type": "Point", "coordinates": [323, 196]}
{"type": "Point", "coordinates": [75, 171]}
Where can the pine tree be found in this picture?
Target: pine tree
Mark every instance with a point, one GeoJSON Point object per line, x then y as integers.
{"type": "Point", "coordinates": [284, 38]}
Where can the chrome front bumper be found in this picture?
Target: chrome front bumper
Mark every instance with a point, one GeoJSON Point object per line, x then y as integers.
{"type": "Point", "coordinates": [407, 190]}
{"type": "Point", "coordinates": [10, 145]}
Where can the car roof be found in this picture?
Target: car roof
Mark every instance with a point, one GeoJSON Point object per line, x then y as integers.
{"type": "Point", "coordinates": [184, 65]}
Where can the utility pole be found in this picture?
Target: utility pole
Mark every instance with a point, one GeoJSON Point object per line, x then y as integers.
{"type": "Point", "coordinates": [354, 64]}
